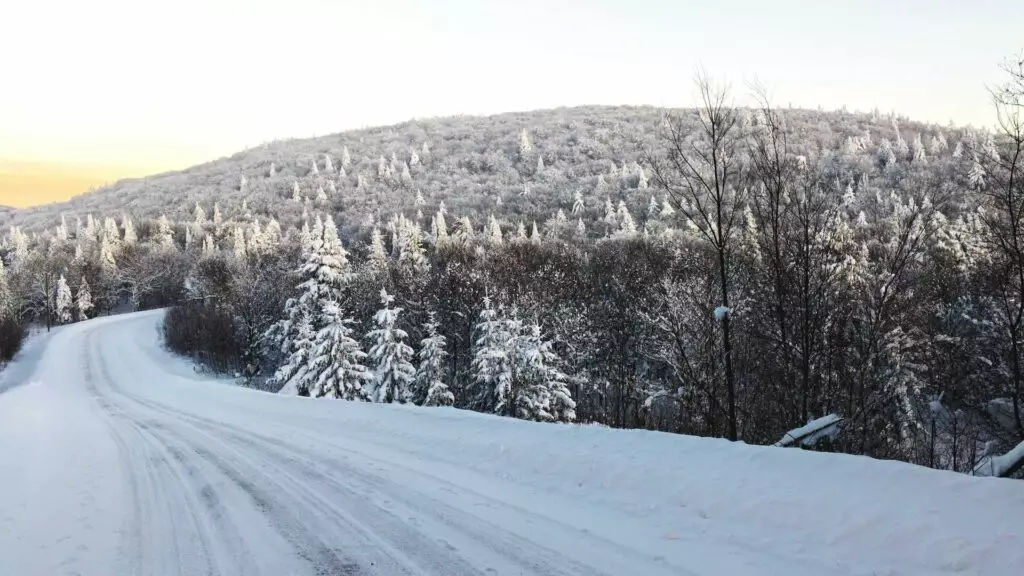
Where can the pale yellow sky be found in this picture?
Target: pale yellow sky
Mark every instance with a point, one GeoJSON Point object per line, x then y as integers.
{"type": "Point", "coordinates": [149, 86]}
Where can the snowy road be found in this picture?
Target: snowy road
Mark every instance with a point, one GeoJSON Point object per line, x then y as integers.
{"type": "Point", "coordinates": [116, 458]}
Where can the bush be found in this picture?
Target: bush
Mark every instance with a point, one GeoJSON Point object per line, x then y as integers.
{"type": "Point", "coordinates": [205, 332]}
{"type": "Point", "coordinates": [12, 335]}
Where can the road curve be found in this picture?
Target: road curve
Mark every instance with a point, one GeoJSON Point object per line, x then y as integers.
{"type": "Point", "coordinates": [116, 458]}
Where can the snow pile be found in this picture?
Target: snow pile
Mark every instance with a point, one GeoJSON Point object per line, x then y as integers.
{"type": "Point", "coordinates": [809, 434]}
{"type": "Point", "coordinates": [1001, 465]}
{"type": "Point", "coordinates": [472, 493]}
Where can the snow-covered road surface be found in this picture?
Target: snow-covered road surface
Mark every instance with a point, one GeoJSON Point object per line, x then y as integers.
{"type": "Point", "coordinates": [116, 458]}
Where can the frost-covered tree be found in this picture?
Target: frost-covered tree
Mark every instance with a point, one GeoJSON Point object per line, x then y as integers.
{"type": "Point", "coordinates": [62, 301]}
{"type": "Point", "coordinates": [346, 158]}
{"type": "Point", "coordinates": [577, 203]}
{"type": "Point", "coordinates": [493, 343]}
{"type": "Point", "coordinates": [130, 236]}
{"type": "Point", "coordinates": [390, 357]}
{"type": "Point", "coordinates": [106, 255]}
{"type": "Point", "coordinates": [429, 387]}
{"type": "Point", "coordinates": [378, 258]}
{"type": "Point", "coordinates": [83, 300]}
{"type": "Point", "coordinates": [198, 215]}
{"type": "Point", "coordinates": [163, 236]}
{"type": "Point", "coordinates": [328, 165]}
{"type": "Point", "coordinates": [238, 246]}
{"type": "Point", "coordinates": [336, 367]}
{"type": "Point", "coordinates": [494, 235]}
{"type": "Point", "coordinates": [535, 234]}
{"type": "Point", "coordinates": [525, 146]}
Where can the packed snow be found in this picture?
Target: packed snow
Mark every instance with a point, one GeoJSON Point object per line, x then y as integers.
{"type": "Point", "coordinates": [118, 458]}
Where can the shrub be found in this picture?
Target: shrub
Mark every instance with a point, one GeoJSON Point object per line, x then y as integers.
{"type": "Point", "coordinates": [12, 335]}
{"type": "Point", "coordinates": [205, 332]}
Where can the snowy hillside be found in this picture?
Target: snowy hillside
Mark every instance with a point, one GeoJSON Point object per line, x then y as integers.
{"type": "Point", "coordinates": [475, 165]}
{"type": "Point", "coordinates": [116, 458]}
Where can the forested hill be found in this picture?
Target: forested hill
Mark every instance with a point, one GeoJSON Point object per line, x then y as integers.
{"type": "Point", "coordinates": [477, 166]}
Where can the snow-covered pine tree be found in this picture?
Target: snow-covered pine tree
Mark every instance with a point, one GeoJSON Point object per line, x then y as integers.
{"type": "Point", "coordinates": [540, 389]}
{"type": "Point", "coordinates": [525, 147]}
{"type": "Point", "coordinates": [535, 234]}
{"type": "Point", "coordinates": [107, 261]}
{"type": "Point", "coordinates": [198, 216]}
{"type": "Point", "coordinates": [83, 300]}
{"type": "Point", "coordinates": [163, 236]}
{"type": "Point", "coordinates": [296, 193]}
{"type": "Point", "coordinates": [390, 357]}
{"type": "Point", "coordinates": [130, 236]}
{"type": "Point", "coordinates": [521, 232]}
{"type": "Point", "coordinates": [62, 301]}
{"type": "Point", "coordinates": [641, 176]}
{"type": "Point", "coordinates": [494, 235]}
{"type": "Point", "coordinates": [328, 165]}
{"type": "Point", "coordinates": [313, 168]}
{"type": "Point", "coordinates": [491, 364]}
{"type": "Point", "coordinates": [61, 233]}
{"type": "Point", "coordinates": [346, 158]}
{"type": "Point", "coordinates": [208, 247]}
{"type": "Point", "coordinates": [429, 387]}
{"type": "Point", "coordinates": [577, 203]}
{"type": "Point", "coordinates": [238, 243]}
{"type": "Point", "coordinates": [378, 258]}
{"type": "Point", "coordinates": [321, 196]}
{"type": "Point", "coordinates": [323, 275]}
{"type": "Point", "coordinates": [653, 210]}
{"type": "Point", "coordinates": [336, 367]}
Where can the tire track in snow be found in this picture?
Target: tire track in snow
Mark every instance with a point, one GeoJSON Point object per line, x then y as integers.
{"type": "Point", "coordinates": [153, 454]}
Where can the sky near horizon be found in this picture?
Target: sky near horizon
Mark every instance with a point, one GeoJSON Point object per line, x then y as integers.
{"type": "Point", "coordinates": [116, 88]}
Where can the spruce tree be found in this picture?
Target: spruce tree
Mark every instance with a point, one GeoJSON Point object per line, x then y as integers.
{"type": "Point", "coordinates": [83, 300]}
{"type": "Point", "coordinates": [62, 301]}
{"type": "Point", "coordinates": [390, 357]}
{"type": "Point", "coordinates": [429, 388]}
{"type": "Point", "coordinates": [336, 367]}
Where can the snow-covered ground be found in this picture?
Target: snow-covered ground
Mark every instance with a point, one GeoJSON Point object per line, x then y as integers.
{"type": "Point", "coordinates": [116, 458]}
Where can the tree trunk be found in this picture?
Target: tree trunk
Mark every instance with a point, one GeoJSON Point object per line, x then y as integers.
{"type": "Point", "coordinates": [730, 386]}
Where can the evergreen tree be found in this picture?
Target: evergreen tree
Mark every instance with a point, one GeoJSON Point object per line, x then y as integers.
{"type": "Point", "coordinates": [535, 234]}
{"type": "Point", "coordinates": [491, 365]}
{"type": "Point", "coordinates": [296, 193]}
{"type": "Point", "coordinates": [198, 216]}
{"type": "Point", "coordinates": [328, 165]}
{"type": "Point", "coordinates": [336, 367]}
{"type": "Point", "coordinates": [429, 388]}
{"type": "Point", "coordinates": [494, 235]}
{"type": "Point", "coordinates": [378, 258]}
{"type": "Point", "coordinates": [62, 301]}
{"type": "Point", "coordinates": [346, 158]}
{"type": "Point", "coordinates": [577, 203]}
{"type": "Point", "coordinates": [83, 300]}
{"type": "Point", "coordinates": [525, 147]}
{"type": "Point", "coordinates": [107, 261]}
{"type": "Point", "coordinates": [130, 236]}
{"type": "Point", "coordinates": [163, 237]}
{"type": "Point", "coordinates": [390, 356]}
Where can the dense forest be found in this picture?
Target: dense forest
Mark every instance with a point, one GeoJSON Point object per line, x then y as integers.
{"type": "Point", "coordinates": [718, 271]}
